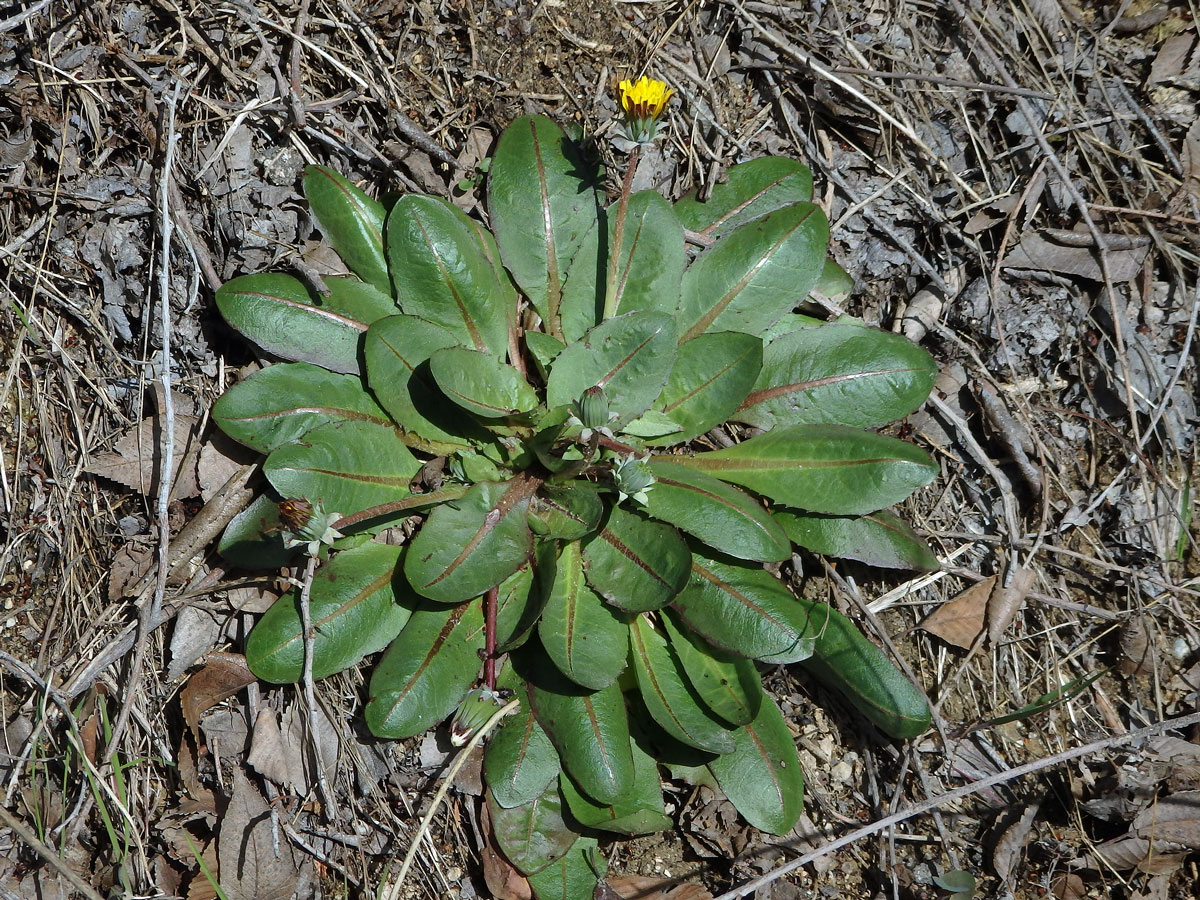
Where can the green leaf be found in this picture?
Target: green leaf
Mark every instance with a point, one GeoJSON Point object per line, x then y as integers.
{"type": "Point", "coordinates": [542, 199]}
{"type": "Point", "coordinates": [543, 348]}
{"type": "Point", "coordinates": [352, 223]}
{"type": "Point", "coordinates": [629, 358]}
{"type": "Point", "coordinates": [712, 375]}
{"type": "Point", "coordinates": [520, 761]}
{"type": "Point", "coordinates": [728, 685]}
{"type": "Point", "coordinates": [481, 383]}
{"type": "Point", "coordinates": [533, 834]}
{"type": "Point", "coordinates": [585, 638]}
{"type": "Point", "coordinates": [719, 515]}
{"type": "Point", "coordinates": [822, 468]}
{"type": "Point", "coordinates": [471, 544]}
{"type": "Point", "coordinates": [652, 424]}
{"type": "Point", "coordinates": [843, 374]}
{"type": "Point", "coordinates": [443, 275]}
{"type": "Point", "coordinates": [878, 539]}
{"type": "Point", "coordinates": [750, 191]}
{"type": "Point", "coordinates": [565, 512]}
{"type": "Point", "coordinates": [669, 696]}
{"type": "Point", "coordinates": [762, 776]}
{"type": "Point", "coordinates": [397, 350]}
{"type": "Point", "coordinates": [794, 322]}
{"type": "Point", "coordinates": [751, 277]}
{"type": "Point", "coordinates": [590, 729]}
{"type": "Point", "coordinates": [282, 403]}
{"type": "Point", "coordinates": [635, 564]}
{"type": "Point", "coordinates": [253, 539]}
{"type": "Point", "coordinates": [355, 298]}
{"type": "Point", "coordinates": [357, 604]}
{"type": "Point", "coordinates": [640, 811]}
{"type": "Point", "coordinates": [745, 610]}
{"type": "Point", "coordinates": [426, 671]}
{"type": "Point", "coordinates": [518, 605]}
{"type": "Point", "coordinates": [846, 661]}
{"type": "Point", "coordinates": [347, 466]}
{"type": "Point", "coordinates": [835, 282]}
{"type": "Point", "coordinates": [277, 313]}
{"type": "Point", "coordinates": [574, 877]}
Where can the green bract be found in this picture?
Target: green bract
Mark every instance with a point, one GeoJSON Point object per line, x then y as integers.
{"type": "Point", "coordinates": [533, 396]}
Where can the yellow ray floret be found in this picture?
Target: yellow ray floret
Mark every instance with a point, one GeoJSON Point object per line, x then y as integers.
{"type": "Point", "coordinates": [644, 99]}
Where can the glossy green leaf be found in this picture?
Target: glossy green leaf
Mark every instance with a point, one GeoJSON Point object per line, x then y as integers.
{"type": "Point", "coordinates": [719, 515]}
{"type": "Point", "coordinates": [585, 637]}
{"type": "Point", "coordinates": [712, 375]}
{"type": "Point", "coordinates": [442, 274]}
{"type": "Point", "coordinates": [520, 761]}
{"type": "Point", "coordinates": [844, 374]}
{"type": "Point", "coordinates": [750, 191]}
{"type": "Point", "coordinates": [574, 877]}
{"type": "Point", "coordinates": [533, 834]}
{"type": "Point", "coordinates": [668, 694]}
{"type": "Point", "coordinates": [629, 358]}
{"type": "Point", "coordinates": [282, 403]}
{"type": "Point", "coordinates": [835, 282]}
{"type": "Point", "coordinates": [518, 604]}
{"type": "Point", "coordinates": [357, 604]}
{"type": "Point", "coordinates": [565, 512]}
{"type": "Point", "coordinates": [581, 306]}
{"type": "Point", "coordinates": [590, 729]}
{"type": "Point", "coordinates": [352, 222]}
{"type": "Point", "coordinates": [636, 564]}
{"type": "Point", "coordinates": [728, 685]}
{"type": "Point", "coordinates": [747, 280]}
{"type": "Point", "coordinates": [397, 350]}
{"type": "Point", "coordinates": [792, 322]}
{"type": "Point", "coordinates": [822, 468]}
{"type": "Point", "coordinates": [357, 299]}
{"type": "Point", "coordinates": [640, 811]}
{"type": "Point", "coordinates": [745, 610]}
{"type": "Point", "coordinates": [762, 776]}
{"type": "Point", "coordinates": [653, 424]}
{"type": "Point", "coordinates": [480, 383]}
{"type": "Point", "coordinates": [426, 671]}
{"type": "Point", "coordinates": [278, 314]}
{"type": "Point", "coordinates": [543, 348]}
{"type": "Point", "coordinates": [878, 539]}
{"type": "Point", "coordinates": [543, 202]}
{"type": "Point", "coordinates": [347, 466]}
{"type": "Point", "coordinates": [845, 660]}
{"type": "Point", "coordinates": [253, 539]}
{"type": "Point", "coordinates": [471, 544]}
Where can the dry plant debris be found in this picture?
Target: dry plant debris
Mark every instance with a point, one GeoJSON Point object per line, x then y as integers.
{"type": "Point", "coordinates": [1035, 169]}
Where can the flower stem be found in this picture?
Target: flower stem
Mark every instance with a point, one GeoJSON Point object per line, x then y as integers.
{"type": "Point", "coordinates": [411, 502]}
{"type": "Point", "coordinates": [614, 253]}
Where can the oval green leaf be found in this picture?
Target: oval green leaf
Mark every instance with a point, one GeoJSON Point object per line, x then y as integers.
{"type": "Point", "coordinates": [728, 685]}
{"type": "Point", "coordinates": [719, 515]}
{"type": "Point", "coordinates": [352, 223]}
{"type": "Point", "coordinates": [254, 538]}
{"type": "Point", "coordinates": [533, 834]}
{"type": "Point", "coordinates": [711, 377]}
{"type": "Point", "coordinates": [822, 468]}
{"type": "Point", "coordinates": [762, 776]}
{"type": "Point", "coordinates": [640, 811]}
{"type": "Point", "coordinates": [426, 671]}
{"type": "Point", "coordinates": [480, 383]}
{"type": "Point", "coordinates": [745, 610]}
{"type": "Point", "coordinates": [442, 274]}
{"type": "Point", "coordinates": [878, 539]}
{"type": "Point", "coordinates": [353, 609]}
{"type": "Point", "coordinates": [520, 761]}
{"type": "Point", "coordinates": [566, 512]}
{"type": "Point", "coordinates": [747, 280]}
{"type": "Point", "coordinates": [635, 564]}
{"type": "Point", "coordinates": [473, 543]}
{"type": "Point", "coordinates": [843, 374]}
{"type": "Point", "coordinates": [650, 267]}
{"type": "Point", "coordinates": [669, 696]}
{"type": "Point", "coordinates": [750, 191]}
{"type": "Point", "coordinates": [582, 635]}
{"type": "Point", "coordinates": [543, 203]}
{"type": "Point", "coordinates": [574, 877]}
{"type": "Point", "coordinates": [282, 403]}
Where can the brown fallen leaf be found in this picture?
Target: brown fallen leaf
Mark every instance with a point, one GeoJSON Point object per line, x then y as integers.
{"type": "Point", "coordinates": [223, 675]}
{"type": "Point", "coordinates": [136, 459]}
{"type": "Point", "coordinates": [503, 881]}
{"type": "Point", "coordinates": [267, 754]}
{"type": "Point", "coordinates": [1005, 602]}
{"type": "Point", "coordinates": [1011, 844]}
{"type": "Point", "coordinates": [961, 620]}
{"type": "Point", "coordinates": [253, 862]}
{"type": "Point", "coordinates": [1041, 254]}
{"type": "Point", "coordinates": [643, 888]}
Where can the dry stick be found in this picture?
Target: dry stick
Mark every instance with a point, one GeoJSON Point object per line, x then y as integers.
{"type": "Point", "coordinates": [459, 761]}
{"type": "Point", "coordinates": [310, 696]}
{"type": "Point", "coordinates": [48, 855]}
{"type": "Point", "coordinates": [958, 793]}
{"type": "Point", "coordinates": [296, 101]}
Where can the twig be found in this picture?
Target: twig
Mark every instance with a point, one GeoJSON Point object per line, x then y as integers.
{"type": "Point", "coordinates": [310, 697]}
{"type": "Point", "coordinates": [48, 855]}
{"type": "Point", "coordinates": [966, 790]}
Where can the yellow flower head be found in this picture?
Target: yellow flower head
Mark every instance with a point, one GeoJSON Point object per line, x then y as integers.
{"type": "Point", "coordinates": [644, 102]}
{"type": "Point", "coordinates": [645, 99]}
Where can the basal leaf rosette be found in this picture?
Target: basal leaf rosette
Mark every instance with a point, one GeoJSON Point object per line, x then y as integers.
{"type": "Point", "coordinates": [597, 436]}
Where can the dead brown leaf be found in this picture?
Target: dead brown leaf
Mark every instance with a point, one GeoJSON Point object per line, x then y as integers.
{"type": "Point", "coordinates": [1011, 844]}
{"type": "Point", "coordinates": [223, 675]}
{"type": "Point", "coordinates": [960, 621]}
{"type": "Point", "coordinates": [1041, 254]}
{"type": "Point", "coordinates": [1005, 602]}
{"type": "Point", "coordinates": [1175, 59]}
{"type": "Point", "coordinates": [503, 881]}
{"type": "Point", "coordinates": [254, 863]}
{"type": "Point", "coordinates": [638, 887]}
{"type": "Point", "coordinates": [267, 754]}
{"type": "Point", "coordinates": [136, 459]}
